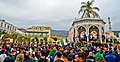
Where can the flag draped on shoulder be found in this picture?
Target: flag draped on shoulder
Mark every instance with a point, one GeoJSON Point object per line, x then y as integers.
{"type": "Point", "coordinates": [51, 52]}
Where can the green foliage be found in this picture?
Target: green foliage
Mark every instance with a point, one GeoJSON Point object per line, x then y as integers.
{"type": "Point", "coordinates": [45, 38]}
{"type": "Point", "coordinates": [88, 10]}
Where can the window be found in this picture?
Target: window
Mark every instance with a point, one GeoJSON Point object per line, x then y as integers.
{"type": "Point", "coordinates": [5, 25]}
{"type": "Point", "coordinates": [1, 24]}
{"type": "Point", "coordinates": [15, 29]}
{"type": "Point", "coordinates": [8, 27]}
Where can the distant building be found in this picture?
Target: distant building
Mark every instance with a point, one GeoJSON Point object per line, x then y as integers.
{"type": "Point", "coordinates": [7, 27]}
{"type": "Point", "coordinates": [39, 31]}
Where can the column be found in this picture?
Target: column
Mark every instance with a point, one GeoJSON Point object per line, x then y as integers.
{"type": "Point", "coordinates": [87, 31]}
{"type": "Point", "coordinates": [100, 32]}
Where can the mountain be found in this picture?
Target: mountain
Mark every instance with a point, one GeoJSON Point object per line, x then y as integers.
{"type": "Point", "coordinates": [63, 33]}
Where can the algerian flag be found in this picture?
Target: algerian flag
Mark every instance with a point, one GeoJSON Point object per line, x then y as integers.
{"type": "Point", "coordinates": [66, 41]}
{"type": "Point", "coordinates": [62, 42]}
{"type": "Point", "coordinates": [51, 52]}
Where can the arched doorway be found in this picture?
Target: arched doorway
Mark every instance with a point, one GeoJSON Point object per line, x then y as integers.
{"type": "Point", "coordinates": [94, 33]}
{"type": "Point", "coordinates": [82, 34]}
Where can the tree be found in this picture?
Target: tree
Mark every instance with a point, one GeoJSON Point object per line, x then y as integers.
{"type": "Point", "coordinates": [88, 10]}
{"type": "Point", "coordinates": [19, 38]}
{"type": "Point", "coordinates": [45, 38]}
{"type": "Point", "coordinates": [28, 38]}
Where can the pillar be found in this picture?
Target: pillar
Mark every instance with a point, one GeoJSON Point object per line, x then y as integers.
{"type": "Point", "coordinates": [100, 32]}
{"type": "Point", "coordinates": [87, 32]}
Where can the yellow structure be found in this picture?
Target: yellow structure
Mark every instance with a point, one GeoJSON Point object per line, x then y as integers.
{"type": "Point", "coordinates": [40, 32]}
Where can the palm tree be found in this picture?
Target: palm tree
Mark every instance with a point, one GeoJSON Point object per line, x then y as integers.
{"type": "Point", "coordinates": [88, 10]}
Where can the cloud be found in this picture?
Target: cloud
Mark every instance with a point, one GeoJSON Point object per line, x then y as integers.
{"type": "Point", "coordinates": [59, 14]}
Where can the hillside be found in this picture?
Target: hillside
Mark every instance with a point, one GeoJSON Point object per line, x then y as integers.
{"type": "Point", "coordinates": [59, 33]}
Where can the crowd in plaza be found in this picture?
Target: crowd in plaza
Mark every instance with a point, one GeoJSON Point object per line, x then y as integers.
{"type": "Point", "coordinates": [72, 52]}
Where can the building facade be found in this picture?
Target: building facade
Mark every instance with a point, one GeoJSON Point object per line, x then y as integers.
{"type": "Point", "coordinates": [40, 32]}
{"type": "Point", "coordinates": [7, 27]}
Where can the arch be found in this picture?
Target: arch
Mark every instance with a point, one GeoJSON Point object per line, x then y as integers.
{"type": "Point", "coordinates": [81, 33]}
{"type": "Point", "coordinates": [94, 33]}
{"type": "Point", "coordinates": [93, 29]}
{"type": "Point", "coordinates": [81, 29]}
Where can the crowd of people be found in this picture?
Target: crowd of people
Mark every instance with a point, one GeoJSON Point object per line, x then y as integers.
{"type": "Point", "coordinates": [81, 52]}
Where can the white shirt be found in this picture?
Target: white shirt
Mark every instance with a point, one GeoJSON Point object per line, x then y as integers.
{"type": "Point", "coordinates": [2, 57]}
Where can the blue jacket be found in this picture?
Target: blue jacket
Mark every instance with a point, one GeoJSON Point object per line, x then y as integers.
{"type": "Point", "coordinates": [111, 58]}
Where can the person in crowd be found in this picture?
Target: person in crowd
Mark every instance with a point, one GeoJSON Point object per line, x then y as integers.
{"type": "Point", "coordinates": [90, 57]}
{"type": "Point", "coordinates": [42, 56]}
{"type": "Point", "coordinates": [70, 59]}
{"type": "Point", "coordinates": [110, 57]}
{"type": "Point", "coordinates": [26, 56]}
{"type": "Point", "coordinates": [105, 52]}
{"type": "Point", "coordinates": [58, 56]}
{"type": "Point", "coordinates": [2, 56]}
{"type": "Point", "coordinates": [64, 57]}
{"type": "Point", "coordinates": [73, 52]}
{"type": "Point", "coordinates": [116, 53]}
{"type": "Point", "coordinates": [99, 56]}
{"type": "Point", "coordinates": [79, 57]}
{"type": "Point", "coordinates": [52, 54]}
{"type": "Point", "coordinates": [20, 56]}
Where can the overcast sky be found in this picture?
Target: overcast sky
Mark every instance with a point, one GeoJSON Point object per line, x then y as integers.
{"type": "Point", "coordinates": [59, 14]}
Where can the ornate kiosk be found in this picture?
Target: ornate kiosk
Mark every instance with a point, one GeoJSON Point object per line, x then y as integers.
{"type": "Point", "coordinates": [88, 29]}
{"type": "Point", "coordinates": [90, 26]}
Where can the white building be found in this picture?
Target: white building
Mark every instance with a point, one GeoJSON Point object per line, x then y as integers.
{"type": "Point", "coordinates": [7, 27]}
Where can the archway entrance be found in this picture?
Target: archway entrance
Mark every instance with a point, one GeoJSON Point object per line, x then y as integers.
{"type": "Point", "coordinates": [82, 34]}
{"type": "Point", "coordinates": [94, 33]}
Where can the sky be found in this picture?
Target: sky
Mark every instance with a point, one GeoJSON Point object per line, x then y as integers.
{"type": "Point", "coordinates": [58, 14]}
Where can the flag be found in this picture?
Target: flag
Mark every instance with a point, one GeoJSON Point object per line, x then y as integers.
{"type": "Point", "coordinates": [62, 42]}
{"type": "Point", "coordinates": [51, 52]}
